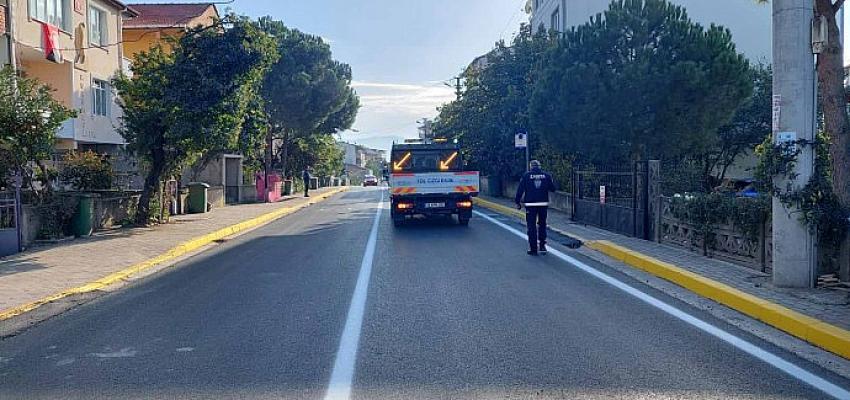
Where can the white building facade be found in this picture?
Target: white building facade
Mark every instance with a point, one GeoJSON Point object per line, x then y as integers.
{"type": "Point", "coordinates": [750, 23]}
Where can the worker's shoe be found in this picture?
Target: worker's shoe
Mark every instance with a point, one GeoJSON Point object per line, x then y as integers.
{"type": "Point", "coordinates": [532, 252]}
{"type": "Point", "coordinates": [543, 250]}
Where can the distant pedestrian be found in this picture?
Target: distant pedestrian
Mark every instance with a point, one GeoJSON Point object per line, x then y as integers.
{"type": "Point", "coordinates": [305, 175]}
{"type": "Point", "coordinates": [533, 192]}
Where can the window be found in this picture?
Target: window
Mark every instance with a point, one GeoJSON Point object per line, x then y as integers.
{"type": "Point", "coordinates": [53, 12]}
{"type": "Point", "coordinates": [100, 97]}
{"type": "Point", "coordinates": [98, 33]}
{"type": "Point", "coordinates": [556, 20]}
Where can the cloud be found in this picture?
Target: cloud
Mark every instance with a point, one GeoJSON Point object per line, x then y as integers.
{"type": "Point", "coordinates": [410, 99]}
{"type": "Point", "coordinates": [386, 86]}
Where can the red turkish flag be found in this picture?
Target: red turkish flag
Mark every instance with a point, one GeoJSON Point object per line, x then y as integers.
{"type": "Point", "coordinates": [51, 43]}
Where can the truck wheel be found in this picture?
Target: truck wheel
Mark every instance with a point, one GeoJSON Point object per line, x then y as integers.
{"type": "Point", "coordinates": [463, 221]}
{"type": "Point", "coordinates": [397, 222]}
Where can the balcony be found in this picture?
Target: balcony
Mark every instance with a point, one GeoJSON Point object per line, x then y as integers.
{"type": "Point", "coordinates": [67, 130]}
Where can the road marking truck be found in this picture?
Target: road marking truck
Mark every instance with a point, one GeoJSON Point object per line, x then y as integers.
{"type": "Point", "coordinates": [427, 178]}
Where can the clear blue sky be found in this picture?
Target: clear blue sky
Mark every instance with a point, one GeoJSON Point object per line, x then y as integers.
{"type": "Point", "coordinates": [401, 51]}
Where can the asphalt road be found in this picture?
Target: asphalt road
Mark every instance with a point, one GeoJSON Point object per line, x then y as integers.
{"type": "Point", "coordinates": [447, 312]}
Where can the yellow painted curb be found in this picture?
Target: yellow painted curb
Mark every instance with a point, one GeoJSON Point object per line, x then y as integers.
{"type": "Point", "coordinates": [819, 333]}
{"type": "Point", "coordinates": [826, 336]}
{"type": "Point", "coordinates": [178, 251]}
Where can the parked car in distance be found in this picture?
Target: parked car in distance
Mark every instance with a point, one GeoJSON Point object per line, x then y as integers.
{"type": "Point", "coordinates": [370, 180]}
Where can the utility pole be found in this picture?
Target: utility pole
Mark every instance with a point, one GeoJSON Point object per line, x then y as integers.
{"type": "Point", "coordinates": [458, 86]}
{"type": "Point", "coordinates": [426, 130]}
{"type": "Point", "coordinates": [794, 94]}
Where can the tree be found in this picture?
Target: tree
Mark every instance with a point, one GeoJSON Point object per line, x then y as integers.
{"type": "Point", "coordinates": [179, 105]}
{"type": "Point", "coordinates": [494, 106]}
{"type": "Point", "coordinates": [29, 119]}
{"type": "Point", "coordinates": [640, 81]}
{"type": "Point", "coordinates": [750, 126]}
{"type": "Point", "coordinates": [317, 151]}
{"type": "Point", "coordinates": [87, 171]}
{"type": "Point", "coordinates": [306, 92]}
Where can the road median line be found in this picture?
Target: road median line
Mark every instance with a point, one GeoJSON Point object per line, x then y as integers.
{"type": "Point", "coordinates": [821, 334]}
{"type": "Point", "coordinates": [180, 250]}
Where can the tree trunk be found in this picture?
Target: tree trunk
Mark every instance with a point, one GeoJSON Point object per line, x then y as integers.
{"type": "Point", "coordinates": [267, 164]}
{"type": "Point", "coordinates": [836, 121]}
{"type": "Point", "coordinates": [831, 80]}
{"type": "Point", "coordinates": [284, 153]}
{"type": "Point", "coordinates": [143, 212]}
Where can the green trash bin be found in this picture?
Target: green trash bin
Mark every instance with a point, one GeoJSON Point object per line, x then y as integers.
{"type": "Point", "coordinates": [82, 223]}
{"type": "Point", "coordinates": [198, 197]}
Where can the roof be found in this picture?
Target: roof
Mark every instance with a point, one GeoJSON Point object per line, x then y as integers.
{"type": "Point", "coordinates": [176, 15]}
{"type": "Point", "coordinates": [122, 7]}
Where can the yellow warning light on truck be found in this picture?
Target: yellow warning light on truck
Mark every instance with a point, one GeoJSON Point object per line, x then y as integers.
{"type": "Point", "coordinates": [446, 165]}
{"type": "Point", "coordinates": [400, 164]}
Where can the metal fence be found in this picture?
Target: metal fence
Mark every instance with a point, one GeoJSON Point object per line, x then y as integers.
{"type": "Point", "coordinates": [614, 198]}
{"type": "Point", "coordinates": [9, 232]}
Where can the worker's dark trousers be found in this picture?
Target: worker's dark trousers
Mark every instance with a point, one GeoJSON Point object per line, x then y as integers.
{"type": "Point", "coordinates": [535, 219]}
{"type": "Point", "coordinates": [306, 188]}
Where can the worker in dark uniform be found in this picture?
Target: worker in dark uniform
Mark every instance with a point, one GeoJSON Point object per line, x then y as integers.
{"type": "Point", "coordinates": [305, 175]}
{"type": "Point", "coordinates": [533, 192]}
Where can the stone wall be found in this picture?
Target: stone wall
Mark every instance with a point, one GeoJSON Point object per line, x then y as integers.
{"type": "Point", "coordinates": [248, 194]}
{"type": "Point", "coordinates": [215, 196]}
{"type": "Point", "coordinates": [729, 243]}
{"type": "Point", "coordinates": [114, 210]}
{"type": "Point", "coordinates": [110, 210]}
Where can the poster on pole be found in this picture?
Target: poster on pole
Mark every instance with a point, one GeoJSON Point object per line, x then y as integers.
{"type": "Point", "coordinates": [777, 111]}
{"type": "Point", "coordinates": [521, 140]}
{"type": "Point", "coordinates": [602, 195]}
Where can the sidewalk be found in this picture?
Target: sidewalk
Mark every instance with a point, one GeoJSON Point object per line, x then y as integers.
{"type": "Point", "coordinates": [46, 271]}
{"type": "Point", "coordinates": [832, 307]}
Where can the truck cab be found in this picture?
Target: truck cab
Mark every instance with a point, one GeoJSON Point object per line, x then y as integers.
{"type": "Point", "coordinates": [428, 179]}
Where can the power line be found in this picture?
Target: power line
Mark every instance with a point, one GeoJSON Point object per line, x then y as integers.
{"type": "Point", "coordinates": [511, 20]}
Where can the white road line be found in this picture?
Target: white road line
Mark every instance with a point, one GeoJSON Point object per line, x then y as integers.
{"type": "Point", "coordinates": [787, 367]}
{"type": "Point", "coordinates": [339, 387]}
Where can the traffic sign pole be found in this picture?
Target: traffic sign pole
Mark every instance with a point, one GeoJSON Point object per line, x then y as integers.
{"type": "Point", "coordinates": [521, 142]}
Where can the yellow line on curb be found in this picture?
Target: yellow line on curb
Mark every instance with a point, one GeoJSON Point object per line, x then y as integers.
{"type": "Point", "coordinates": [175, 252]}
{"type": "Point", "coordinates": [826, 336]}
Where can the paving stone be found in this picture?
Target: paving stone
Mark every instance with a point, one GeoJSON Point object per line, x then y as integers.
{"type": "Point", "coordinates": [43, 271]}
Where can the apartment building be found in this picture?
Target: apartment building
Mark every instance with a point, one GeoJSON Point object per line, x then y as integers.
{"type": "Point", "coordinates": [361, 156]}
{"type": "Point", "coordinates": [5, 39]}
{"type": "Point", "coordinates": [155, 22]}
{"type": "Point", "coordinates": [751, 24]}
{"type": "Point", "coordinates": [75, 47]}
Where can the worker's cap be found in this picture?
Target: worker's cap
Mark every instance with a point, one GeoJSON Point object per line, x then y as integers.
{"type": "Point", "coordinates": [535, 164]}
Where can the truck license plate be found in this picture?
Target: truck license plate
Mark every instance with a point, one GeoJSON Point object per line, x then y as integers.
{"type": "Point", "coordinates": [435, 205]}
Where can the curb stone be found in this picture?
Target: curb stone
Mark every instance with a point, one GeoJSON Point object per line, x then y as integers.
{"type": "Point", "coordinates": [177, 252]}
{"type": "Point", "coordinates": [821, 334]}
